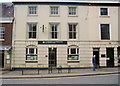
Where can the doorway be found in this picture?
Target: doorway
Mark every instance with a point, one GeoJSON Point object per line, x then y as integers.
{"type": "Point", "coordinates": [110, 57]}
{"type": "Point", "coordinates": [1, 59]}
{"type": "Point", "coordinates": [96, 52]}
{"type": "Point", "coordinates": [118, 50]}
{"type": "Point", "coordinates": [52, 57]}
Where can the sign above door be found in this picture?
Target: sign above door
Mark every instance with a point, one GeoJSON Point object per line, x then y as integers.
{"type": "Point", "coordinates": [52, 42]}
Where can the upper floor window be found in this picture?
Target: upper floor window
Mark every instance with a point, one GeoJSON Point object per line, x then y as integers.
{"type": "Point", "coordinates": [54, 10]}
{"type": "Point", "coordinates": [72, 11]}
{"type": "Point", "coordinates": [54, 31]}
{"type": "Point", "coordinates": [105, 31]}
{"type": "Point", "coordinates": [104, 11]}
{"type": "Point", "coordinates": [32, 31]}
{"type": "Point", "coordinates": [2, 32]}
{"type": "Point", "coordinates": [32, 10]}
{"type": "Point", "coordinates": [31, 53]}
{"type": "Point", "coordinates": [72, 31]}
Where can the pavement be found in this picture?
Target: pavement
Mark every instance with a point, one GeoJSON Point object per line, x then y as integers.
{"type": "Point", "coordinates": [29, 74]}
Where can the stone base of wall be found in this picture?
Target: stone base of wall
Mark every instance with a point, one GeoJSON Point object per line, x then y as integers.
{"type": "Point", "coordinates": [85, 54]}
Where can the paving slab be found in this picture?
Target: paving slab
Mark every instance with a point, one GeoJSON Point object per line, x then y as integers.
{"type": "Point", "coordinates": [55, 74]}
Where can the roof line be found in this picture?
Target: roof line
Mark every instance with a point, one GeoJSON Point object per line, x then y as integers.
{"type": "Point", "coordinates": [77, 1]}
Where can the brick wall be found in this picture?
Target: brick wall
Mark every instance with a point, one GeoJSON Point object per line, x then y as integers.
{"type": "Point", "coordinates": [8, 34]}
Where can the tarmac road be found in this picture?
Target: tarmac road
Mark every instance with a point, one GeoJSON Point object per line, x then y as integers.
{"type": "Point", "coordinates": [100, 79]}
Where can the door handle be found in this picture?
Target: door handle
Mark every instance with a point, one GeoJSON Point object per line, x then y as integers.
{"type": "Point", "coordinates": [108, 58]}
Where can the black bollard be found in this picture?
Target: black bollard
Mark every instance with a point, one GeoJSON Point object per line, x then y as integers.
{"type": "Point", "coordinates": [69, 69]}
{"type": "Point", "coordinates": [38, 71]}
{"type": "Point", "coordinates": [51, 69]}
{"type": "Point", "coordinates": [22, 72]}
{"type": "Point", "coordinates": [60, 69]}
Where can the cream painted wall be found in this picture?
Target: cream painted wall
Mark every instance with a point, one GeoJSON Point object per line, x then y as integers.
{"type": "Point", "coordinates": [119, 24]}
{"type": "Point", "coordinates": [88, 20]}
{"type": "Point", "coordinates": [95, 20]}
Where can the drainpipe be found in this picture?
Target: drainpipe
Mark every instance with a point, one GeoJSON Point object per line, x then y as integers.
{"type": "Point", "coordinates": [12, 44]}
{"type": "Point", "coordinates": [13, 23]}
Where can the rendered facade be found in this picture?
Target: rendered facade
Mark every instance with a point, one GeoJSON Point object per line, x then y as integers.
{"type": "Point", "coordinates": [65, 34]}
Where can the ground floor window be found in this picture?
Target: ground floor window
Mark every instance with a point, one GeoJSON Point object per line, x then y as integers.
{"type": "Point", "coordinates": [73, 53]}
{"type": "Point", "coordinates": [118, 54]}
{"type": "Point", "coordinates": [31, 54]}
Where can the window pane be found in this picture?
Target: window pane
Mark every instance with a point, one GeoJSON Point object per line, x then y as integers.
{"type": "Point", "coordinates": [32, 55]}
{"type": "Point", "coordinates": [104, 11]}
{"type": "Point", "coordinates": [70, 27]}
{"type": "Point", "coordinates": [34, 34]}
{"type": "Point", "coordinates": [32, 10]}
{"type": "Point", "coordinates": [52, 34]}
{"type": "Point", "coordinates": [32, 30]}
{"type": "Point", "coordinates": [74, 27]}
{"type": "Point", "coordinates": [54, 10]}
{"type": "Point", "coordinates": [34, 27]}
{"type": "Point", "coordinates": [105, 31]}
{"type": "Point", "coordinates": [55, 34]}
{"type": "Point", "coordinates": [30, 34]}
{"type": "Point", "coordinates": [72, 57]}
{"type": "Point", "coordinates": [72, 31]}
{"type": "Point", "coordinates": [28, 58]}
{"type": "Point", "coordinates": [70, 35]}
{"type": "Point", "coordinates": [74, 35]}
{"type": "Point", "coordinates": [54, 29]}
{"type": "Point", "coordinates": [72, 10]}
{"type": "Point", "coordinates": [30, 27]}
{"type": "Point", "coordinates": [2, 32]}
{"type": "Point", "coordinates": [73, 51]}
{"type": "Point", "coordinates": [31, 50]}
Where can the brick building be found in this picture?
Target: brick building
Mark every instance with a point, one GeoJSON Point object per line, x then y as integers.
{"type": "Point", "coordinates": [6, 24]}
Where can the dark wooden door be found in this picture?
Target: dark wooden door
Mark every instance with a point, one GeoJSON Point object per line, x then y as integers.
{"type": "Point", "coordinates": [96, 52]}
{"type": "Point", "coordinates": [110, 57]}
{"type": "Point", "coordinates": [52, 57]}
{"type": "Point", "coordinates": [1, 58]}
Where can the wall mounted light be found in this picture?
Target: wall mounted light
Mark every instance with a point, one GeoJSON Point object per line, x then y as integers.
{"type": "Point", "coordinates": [43, 28]}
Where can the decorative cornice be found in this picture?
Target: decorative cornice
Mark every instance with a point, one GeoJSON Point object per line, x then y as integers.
{"type": "Point", "coordinates": [78, 1]}
{"type": "Point", "coordinates": [69, 3]}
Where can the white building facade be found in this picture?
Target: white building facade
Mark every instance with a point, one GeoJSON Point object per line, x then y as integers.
{"type": "Point", "coordinates": [65, 33]}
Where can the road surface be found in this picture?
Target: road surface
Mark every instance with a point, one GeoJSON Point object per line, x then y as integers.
{"type": "Point", "coordinates": [100, 79]}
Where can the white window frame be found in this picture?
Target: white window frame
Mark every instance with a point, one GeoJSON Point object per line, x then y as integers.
{"type": "Point", "coordinates": [28, 53]}
{"type": "Point", "coordinates": [100, 12]}
{"type": "Point", "coordinates": [2, 33]}
{"type": "Point", "coordinates": [109, 32]}
{"type": "Point", "coordinates": [69, 10]}
{"type": "Point", "coordinates": [76, 31]}
{"type": "Point", "coordinates": [33, 31]}
{"type": "Point", "coordinates": [69, 53]}
{"type": "Point", "coordinates": [50, 31]}
{"type": "Point", "coordinates": [54, 10]}
{"type": "Point", "coordinates": [29, 10]}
